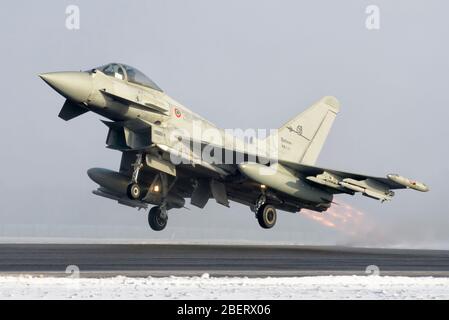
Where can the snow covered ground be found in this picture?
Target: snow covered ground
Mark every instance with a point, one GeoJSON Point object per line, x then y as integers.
{"type": "Point", "coordinates": [205, 287]}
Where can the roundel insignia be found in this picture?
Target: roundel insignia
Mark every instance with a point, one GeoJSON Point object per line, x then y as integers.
{"type": "Point", "coordinates": [177, 113]}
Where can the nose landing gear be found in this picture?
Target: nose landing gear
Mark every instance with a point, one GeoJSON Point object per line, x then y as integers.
{"type": "Point", "coordinates": [156, 193]}
{"type": "Point", "coordinates": [134, 191]}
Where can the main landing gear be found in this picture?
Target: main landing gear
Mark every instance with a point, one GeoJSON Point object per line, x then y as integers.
{"type": "Point", "coordinates": [157, 218]}
{"type": "Point", "coordinates": [265, 213]}
{"type": "Point", "coordinates": [266, 216]}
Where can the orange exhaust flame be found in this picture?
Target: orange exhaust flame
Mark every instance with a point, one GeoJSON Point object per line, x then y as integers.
{"type": "Point", "coordinates": [321, 220]}
{"type": "Point", "coordinates": [342, 217]}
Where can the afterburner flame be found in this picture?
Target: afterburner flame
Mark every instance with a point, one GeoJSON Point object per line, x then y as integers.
{"type": "Point", "coordinates": [342, 217]}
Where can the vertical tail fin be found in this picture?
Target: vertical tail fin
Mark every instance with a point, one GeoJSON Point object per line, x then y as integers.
{"type": "Point", "coordinates": [301, 138]}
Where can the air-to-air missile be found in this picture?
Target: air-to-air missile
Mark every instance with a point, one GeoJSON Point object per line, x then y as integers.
{"type": "Point", "coordinates": [412, 184]}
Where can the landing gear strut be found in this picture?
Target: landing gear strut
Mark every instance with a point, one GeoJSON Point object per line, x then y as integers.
{"type": "Point", "coordinates": [134, 191]}
{"type": "Point", "coordinates": [157, 218]}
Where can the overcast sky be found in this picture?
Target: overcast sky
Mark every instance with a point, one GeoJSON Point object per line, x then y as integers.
{"type": "Point", "coordinates": [241, 64]}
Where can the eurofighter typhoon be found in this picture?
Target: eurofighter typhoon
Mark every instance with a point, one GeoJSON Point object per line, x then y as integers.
{"type": "Point", "coordinates": [170, 154]}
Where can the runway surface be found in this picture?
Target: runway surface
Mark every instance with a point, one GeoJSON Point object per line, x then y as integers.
{"type": "Point", "coordinates": [218, 260]}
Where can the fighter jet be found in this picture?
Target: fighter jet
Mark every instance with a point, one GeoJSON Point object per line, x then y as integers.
{"type": "Point", "coordinates": [170, 154]}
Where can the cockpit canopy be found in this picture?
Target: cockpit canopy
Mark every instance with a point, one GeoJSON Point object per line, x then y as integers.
{"type": "Point", "coordinates": [128, 73]}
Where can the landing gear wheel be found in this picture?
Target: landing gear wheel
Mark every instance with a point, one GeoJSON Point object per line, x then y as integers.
{"type": "Point", "coordinates": [134, 192]}
{"type": "Point", "coordinates": [266, 215]}
{"type": "Point", "coordinates": [156, 219]}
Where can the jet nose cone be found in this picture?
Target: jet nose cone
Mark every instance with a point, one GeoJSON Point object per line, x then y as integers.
{"type": "Point", "coordinates": [45, 76]}
{"type": "Point", "coordinates": [76, 86]}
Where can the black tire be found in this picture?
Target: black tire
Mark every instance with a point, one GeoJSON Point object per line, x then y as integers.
{"type": "Point", "coordinates": [266, 216]}
{"type": "Point", "coordinates": [155, 219]}
{"type": "Point", "coordinates": [134, 192]}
